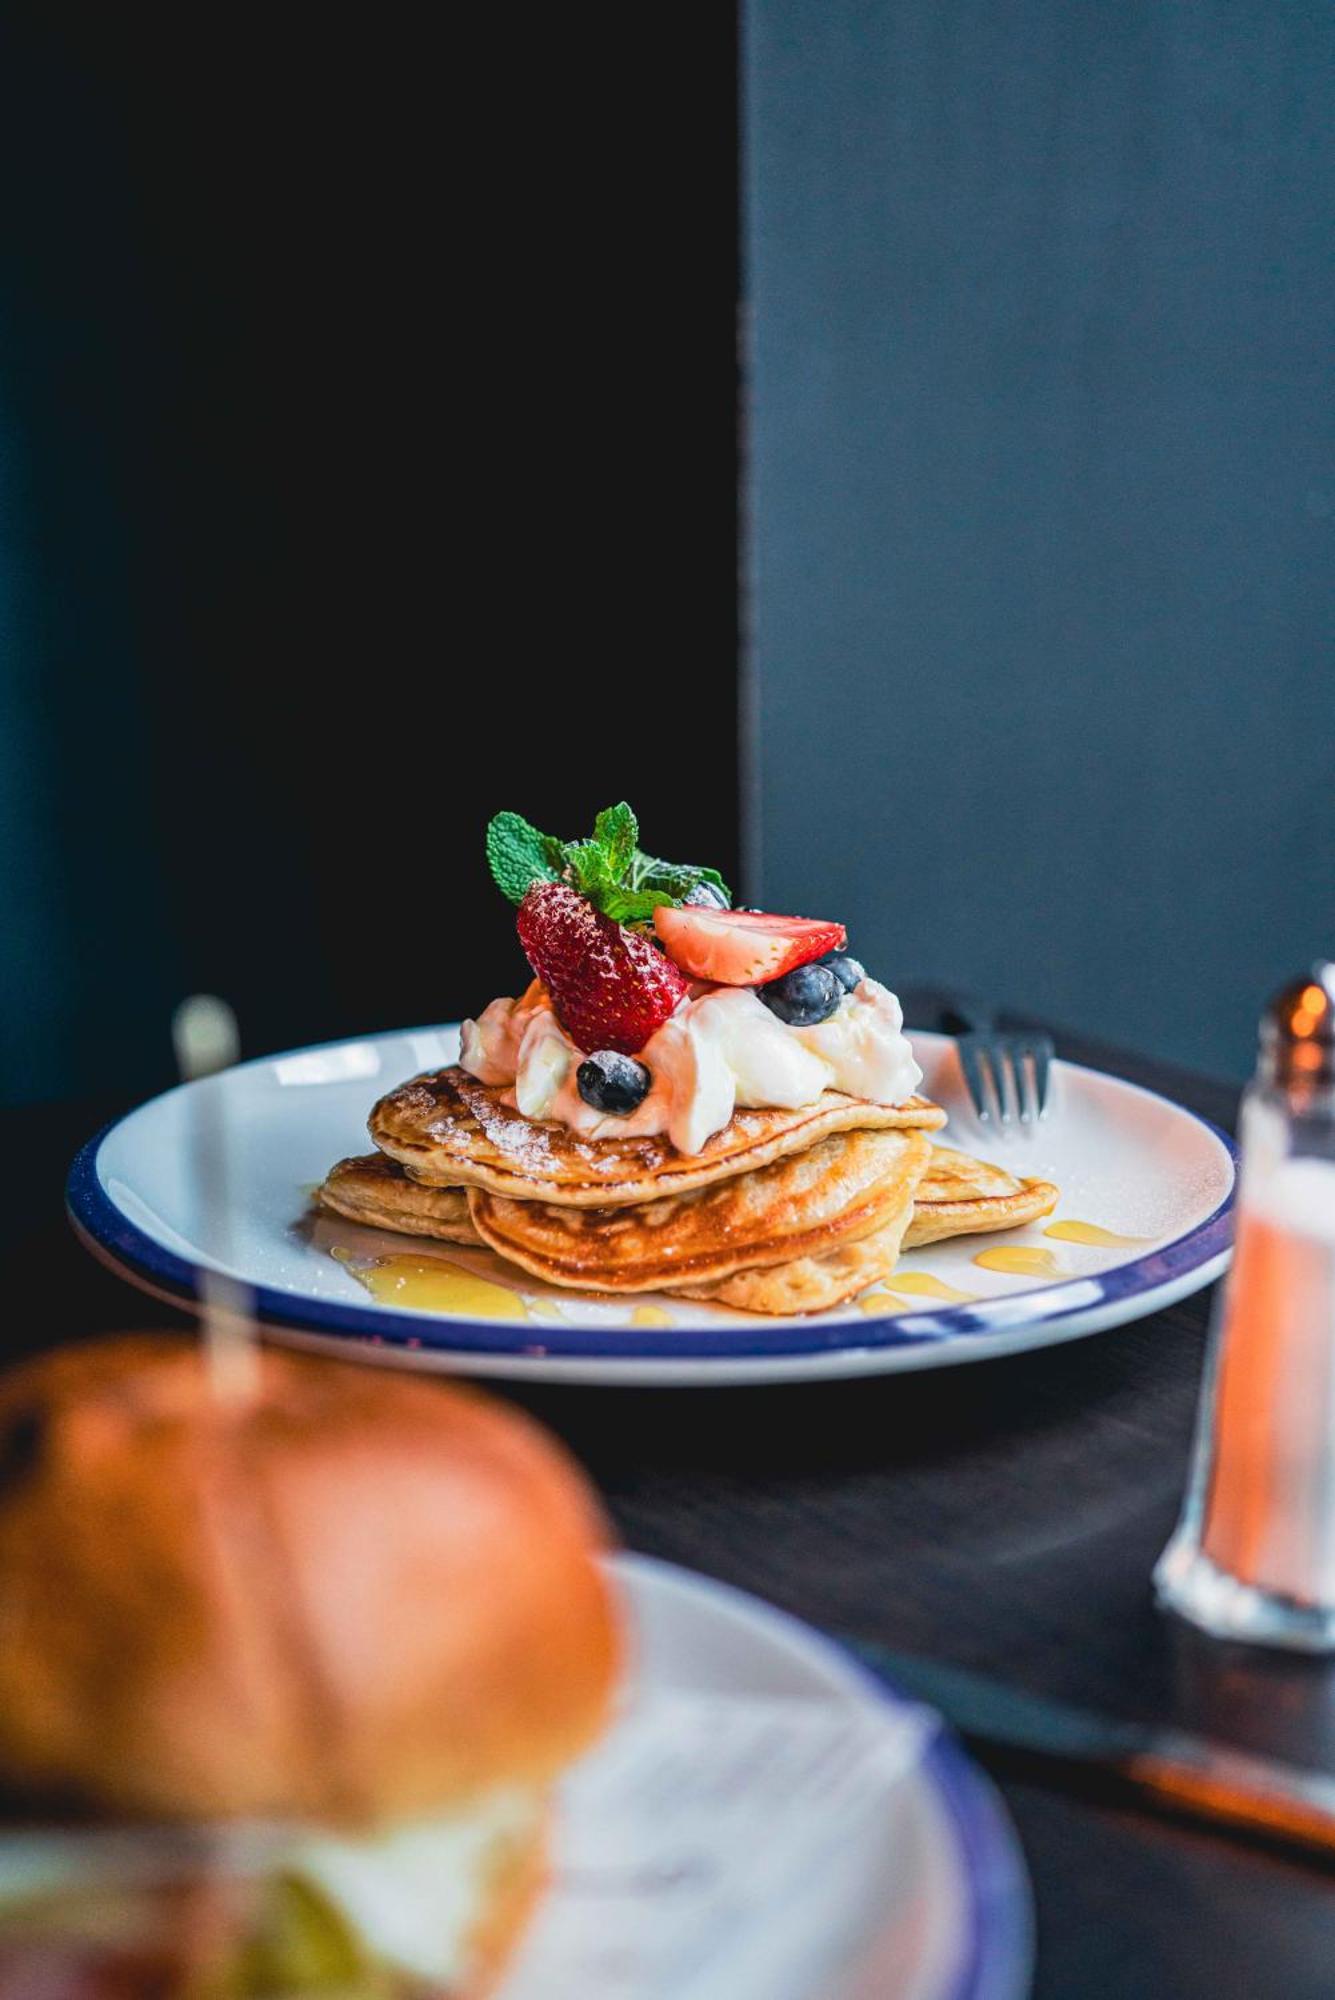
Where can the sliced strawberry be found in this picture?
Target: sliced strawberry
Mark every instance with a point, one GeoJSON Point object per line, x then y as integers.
{"type": "Point", "coordinates": [611, 988]}
{"type": "Point", "coordinates": [742, 947]}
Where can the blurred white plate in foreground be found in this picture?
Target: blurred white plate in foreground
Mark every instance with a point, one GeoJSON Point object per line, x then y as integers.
{"type": "Point", "coordinates": [767, 1824]}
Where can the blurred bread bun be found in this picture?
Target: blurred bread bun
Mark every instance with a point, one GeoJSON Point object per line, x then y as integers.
{"type": "Point", "coordinates": [356, 1598]}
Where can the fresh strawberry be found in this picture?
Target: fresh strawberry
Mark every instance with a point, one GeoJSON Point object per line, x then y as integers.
{"type": "Point", "coordinates": [742, 947]}
{"type": "Point", "coordinates": [610, 987]}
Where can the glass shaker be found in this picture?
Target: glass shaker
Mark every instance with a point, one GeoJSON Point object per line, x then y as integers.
{"type": "Point", "coordinates": [1253, 1557]}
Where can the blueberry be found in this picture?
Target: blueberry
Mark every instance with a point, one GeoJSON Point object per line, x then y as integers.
{"type": "Point", "coordinates": [803, 997]}
{"type": "Point", "coordinates": [848, 971]}
{"type": "Point", "coordinates": [707, 896]}
{"type": "Point", "coordinates": [612, 1082]}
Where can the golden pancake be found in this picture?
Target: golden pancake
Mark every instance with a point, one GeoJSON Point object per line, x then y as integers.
{"type": "Point", "coordinates": [958, 1195]}
{"type": "Point", "coordinates": [961, 1196]}
{"type": "Point", "coordinates": [377, 1192]}
{"type": "Point", "coordinates": [373, 1190]}
{"type": "Point", "coordinates": [845, 1187]}
{"type": "Point", "coordinates": [812, 1284]}
{"type": "Point", "coordinates": [448, 1129]}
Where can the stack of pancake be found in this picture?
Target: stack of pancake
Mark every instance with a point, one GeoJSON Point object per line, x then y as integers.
{"type": "Point", "coordinates": [780, 1212]}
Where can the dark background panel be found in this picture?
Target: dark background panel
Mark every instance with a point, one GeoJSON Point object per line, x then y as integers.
{"type": "Point", "coordinates": [345, 424]}
{"type": "Point", "coordinates": [1044, 496]}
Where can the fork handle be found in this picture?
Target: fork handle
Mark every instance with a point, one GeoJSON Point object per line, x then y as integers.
{"type": "Point", "coordinates": [961, 1016]}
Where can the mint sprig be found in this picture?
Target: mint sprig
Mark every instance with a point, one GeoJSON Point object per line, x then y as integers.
{"type": "Point", "coordinates": [610, 867]}
{"type": "Point", "coordinates": [675, 879]}
{"type": "Point", "coordinates": [518, 856]}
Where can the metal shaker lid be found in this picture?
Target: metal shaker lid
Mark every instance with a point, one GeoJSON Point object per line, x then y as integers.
{"type": "Point", "coordinates": [1298, 1030]}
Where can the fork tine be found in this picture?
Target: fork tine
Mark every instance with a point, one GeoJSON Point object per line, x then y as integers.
{"type": "Point", "coordinates": [1008, 1095]}
{"type": "Point", "coordinates": [989, 1066]}
{"type": "Point", "coordinates": [1041, 1051]}
{"type": "Point", "coordinates": [1021, 1054]}
{"type": "Point", "coordinates": [1007, 1077]}
{"type": "Point", "coordinates": [973, 1077]}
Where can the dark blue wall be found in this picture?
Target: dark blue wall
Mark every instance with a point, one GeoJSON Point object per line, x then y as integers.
{"type": "Point", "coordinates": [1043, 498]}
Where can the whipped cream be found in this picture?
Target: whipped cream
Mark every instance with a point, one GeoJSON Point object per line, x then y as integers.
{"type": "Point", "coordinates": [722, 1049]}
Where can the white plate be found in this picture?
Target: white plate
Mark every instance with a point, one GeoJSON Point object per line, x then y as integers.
{"type": "Point", "coordinates": [924, 1896]}
{"type": "Point", "coordinates": [1127, 1161]}
{"type": "Point", "coordinates": [762, 1821]}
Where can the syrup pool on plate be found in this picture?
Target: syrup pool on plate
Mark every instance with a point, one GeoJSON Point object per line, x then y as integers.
{"type": "Point", "coordinates": [922, 1285]}
{"type": "Point", "coordinates": [1092, 1236]}
{"type": "Point", "coordinates": [438, 1285]}
{"type": "Point", "coordinates": [1021, 1260]}
{"type": "Point", "coordinates": [429, 1284]}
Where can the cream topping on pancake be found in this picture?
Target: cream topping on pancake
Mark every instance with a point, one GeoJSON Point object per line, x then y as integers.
{"type": "Point", "coordinates": [722, 1049]}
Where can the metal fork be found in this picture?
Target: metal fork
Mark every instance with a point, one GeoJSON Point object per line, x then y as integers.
{"type": "Point", "coordinates": [1006, 1072]}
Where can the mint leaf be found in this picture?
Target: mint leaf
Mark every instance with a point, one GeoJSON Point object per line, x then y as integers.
{"type": "Point", "coordinates": [616, 831]}
{"type": "Point", "coordinates": [616, 875]}
{"type": "Point", "coordinates": [632, 906]}
{"type": "Point", "coordinates": [518, 855]}
{"type": "Point", "coordinates": [586, 868]}
{"type": "Point", "coordinates": [597, 866]}
{"type": "Point", "coordinates": [673, 880]}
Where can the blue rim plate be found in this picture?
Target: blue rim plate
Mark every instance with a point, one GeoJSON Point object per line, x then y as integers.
{"type": "Point", "coordinates": [933, 1886]}
{"type": "Point", "coordinates": [1130, 1152]}
{"type": "Point", "coordinates": [995, 1959]}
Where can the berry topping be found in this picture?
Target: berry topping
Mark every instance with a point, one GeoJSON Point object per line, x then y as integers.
{"type": "Point", "coordinates": [611, 988]}
{"type": "Point", "coordinates": [612, 1082]}
{"type": "Point", "coordinates": [742, 947]}
{"type": "Point", "coordinates": [805, 997]}
{"type": "Point", "coordinates": [850, 972]}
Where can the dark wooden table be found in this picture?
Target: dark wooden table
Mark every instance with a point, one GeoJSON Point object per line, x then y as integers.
{"type": "Point", "coordinates": [1004, 1516]}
